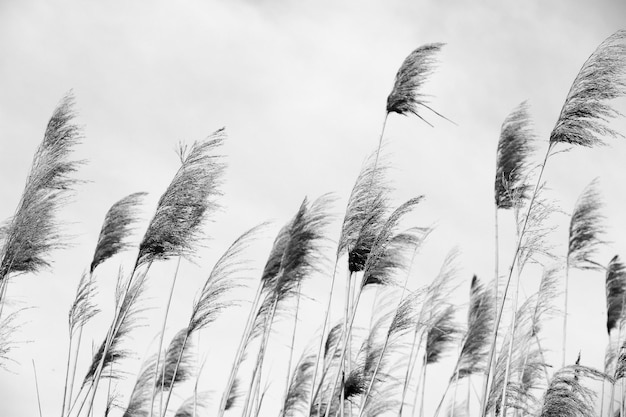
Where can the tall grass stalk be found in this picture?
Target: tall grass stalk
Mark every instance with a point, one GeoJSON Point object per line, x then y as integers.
{"type": "Point", "coordinates": [160, 346]}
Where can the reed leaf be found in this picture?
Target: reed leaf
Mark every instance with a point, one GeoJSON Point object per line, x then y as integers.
{"type": "Point", "coordinates": [586, 111]}
{"type": "Point", "coordinates": [406, 97]}
{"type": "Point", "coordinates": [514, 149]}
{"type": "Point", "coordinates": [33, 231]}
{"type": "Point", "coordinates": [117, 226]}
{"type": "Point", "coordinates": [586, 229]}
{"type": "Point", "coordinates": [615, 293]}
{"type": "Point", "coordinates": [186, 203]}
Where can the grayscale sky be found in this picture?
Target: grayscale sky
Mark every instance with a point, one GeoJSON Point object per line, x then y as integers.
{"type": "Point", "coordinates": [301, 88]}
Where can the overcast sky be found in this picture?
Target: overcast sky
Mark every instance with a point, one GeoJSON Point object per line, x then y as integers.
{"type": "Point", "coordinates": [301, 88]}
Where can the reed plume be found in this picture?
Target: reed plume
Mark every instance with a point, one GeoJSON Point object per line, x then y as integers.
{"type": "Point", "coordinates": [212, 299]}
{"type": "Point", "coordinates": [586, 112]}
{"type": "Point", "coordinates": [296, 401]}
{"type": "Point", "coordinates": [117, 226]}
{"type": "Point", "coordinates": [615, 293]}
{"type": "Point", "coordinates": [140, 398]}
{"type": "Point", "coordinates": [475, 346]}
{"type": "Point", "coordinates": [194, 405]}
{"type": "Point", "coordinates": [586, 229]}
{"type": "Point", "coordinates": [442, 333]}
{"type": "Point", "coordinates": [567, 396]}
{"type": "Point", "coordinates": [406, 97]}
{"type": "Point", "coordinates": [83, 308]}
{"type": "Point", "coordinates": [33, 231]}
{"type": "Point", "coordinates": [514, 150]}
{"type": "Point", "coordinates": [128, 303]}
{"type": "Point", "coordinates": [178, 362]}
{"type": "Point", "coordinates": [585, 236]}
{"type": "Point", "coordinates": [186, 203]}
{"type": "Point", "coordinates": [365, 214]}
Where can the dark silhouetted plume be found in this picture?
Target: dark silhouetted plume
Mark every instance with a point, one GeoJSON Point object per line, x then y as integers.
{"type": "Point", "coordinates": [118, 224]}
{"type": "Point", "coordinates": [585, 229]}
{"type": "Point", "coordinates": [406, 96]}
{"type": "Point", "coordinates": [615, 293]}
{"type": "Point", "coordinates": [514, 149]}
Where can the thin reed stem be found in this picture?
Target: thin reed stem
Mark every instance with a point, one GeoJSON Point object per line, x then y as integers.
{"type": "Point", "coordinates": [37, 387]}
{"type": "Point", "coordinates": [293, 340]}
{"type": "Point", "coordinates": [508, 282]}
{"type": "Point", "coordinates": [160, 346]}
{"type": "Point", "coordinates": [240, 350]}
{"type": "Point", "coordinates": [321, 344]}
{"type": "Point", "coordinates": [566, 290]}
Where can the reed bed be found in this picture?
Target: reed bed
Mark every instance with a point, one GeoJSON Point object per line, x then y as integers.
{"type": "Point", "coordinates": [363, 361]}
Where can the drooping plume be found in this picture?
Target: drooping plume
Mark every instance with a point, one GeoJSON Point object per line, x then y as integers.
{"type": "Point", "coordinates": [118, 224]}
{"type": "Point", "coordinates": [586, 111]}
{"type": "Point", "coordinates": [480, 318]}
{"type": "Point", "coordinates": [406, 96]}
{"type": "Point", "coordinates": [514, 149]}
{"type": "Point", "coordinates": [186, 204]}
{"type": "Point", "coordinates": [33, 231]}
{"type": "Point", "coordinates": [585, 229]}
{"type": "Point", "coordinates": [615, 293]}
